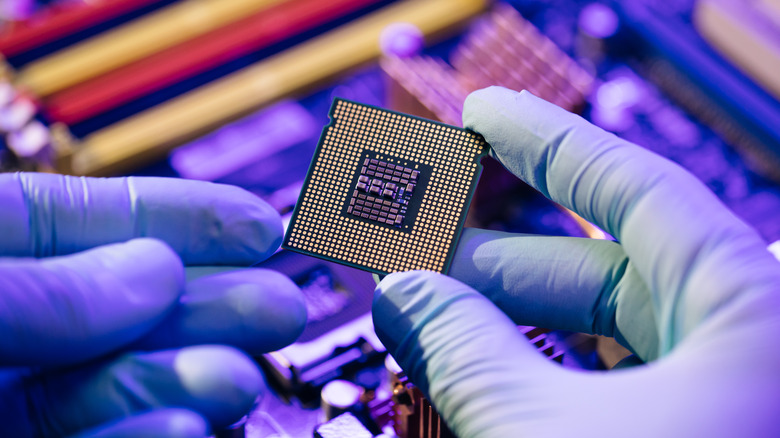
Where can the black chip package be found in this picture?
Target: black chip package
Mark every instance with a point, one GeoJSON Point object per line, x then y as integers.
{"type": "Point", "coordinates": [386, 192]}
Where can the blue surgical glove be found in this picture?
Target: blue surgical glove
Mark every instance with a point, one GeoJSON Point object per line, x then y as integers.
{"type": "Point", "coordinates": [688, 287]}
{"type": "Point", "coordinates": [100, 331]}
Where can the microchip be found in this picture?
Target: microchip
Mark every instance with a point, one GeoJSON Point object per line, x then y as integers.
{"type": "Point", "coordinates": [386, 192]}
{"type": "Point", "coordinates": [377, 196]}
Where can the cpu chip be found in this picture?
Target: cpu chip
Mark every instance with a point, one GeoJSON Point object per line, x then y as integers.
{"type": "Point", "coordinates": [386, 192]}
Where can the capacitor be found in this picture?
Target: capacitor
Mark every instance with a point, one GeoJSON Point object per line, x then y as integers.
{"type": "Point", "coordinates": [338, 397]}
{"type": "Point", "coordinates": [16, 114]}
{"type": "Point", "coordinates": [598, 21]}
{"type": "Point", "coordinates": [392, 366]}
{"type": "Point", "coordinates": [29, 140]}
{"type": "Point", "coordinates": [401, 39]}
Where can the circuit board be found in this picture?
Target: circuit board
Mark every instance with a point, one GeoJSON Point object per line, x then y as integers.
{"type": "Point", "coordinates": [657, 83]}
{"type": "Point", "coordinates": [386, 192]}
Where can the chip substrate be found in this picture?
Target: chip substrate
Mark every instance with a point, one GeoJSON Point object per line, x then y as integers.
{"type": "Point", "coordinates": [386, 192]}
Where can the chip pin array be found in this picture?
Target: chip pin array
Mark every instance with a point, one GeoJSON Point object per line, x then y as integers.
{"type": "Point", "coordinates": [386, 192]}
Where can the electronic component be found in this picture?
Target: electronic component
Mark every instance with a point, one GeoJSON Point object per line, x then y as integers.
{"type": "Point", "coordinates": [339, 340]}
{"type": "Point", "coordinates": [747, 33]}
{"type": "Point", "coordinates": [149, 134]}
{"type": "Point", "coordinates": [257, 30]}
{"type": "Point", "coordinates": [386, 192]}
{"type": "Point", "coordinates": [60, 19]}
{"type": "Point", "coordinates": [145, 36]}
{"type": "Point", "coordinates": [414, 415]}
{"type": "Point", "coordinates": [680, 62]}
{"type": "Point", "coordinates": [654, 41]}
{"type": "Point", "coordinates": [410, 415]}
{"type": "Point", "coordinates": [263, 137]}
{"type": "Point", "coordinates": [338, 397]}
{"type": "Point", "coordinates": [507, 50]}
{"type": "Point", "coordinates": [502, 49]}
{"type": "Point", "coordinates": [345, 425]}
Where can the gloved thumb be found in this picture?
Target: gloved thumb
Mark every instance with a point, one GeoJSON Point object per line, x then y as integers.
{"type": "Point", "coordinates": [465, 354]}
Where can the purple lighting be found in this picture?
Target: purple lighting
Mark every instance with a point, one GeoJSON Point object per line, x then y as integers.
{"type": "Point", "coordinates": [240, 144]}
{"type": "Point", "coordinates": [598, 21]}
{"type": "Point", "coordinates": [401, 39]}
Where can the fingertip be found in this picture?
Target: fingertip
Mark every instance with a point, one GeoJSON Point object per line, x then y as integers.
{"type": "Point", "coordinates": [471, 239]}
{"type": "Point", "coordinates": [405, 301]}
{"type": "Point", "coordinates": [183, 423]}
{"type": "Point", "coordinates": [207, 223]}
{"type": "Point", "coordinates": [481, 104]}
{"type": "Point", "coordinates": [406, 283]}
{"type": "Point", "coordinates": [487, 94]}
{"type": "Point", "coordinates": [295, 304]}
{"type": "Point", "coordinates": [162, 423]}
{"type": "Point", "coordinates": [396, 287]}
{"type": "Point", "coordinates": [497, 113]}
{"type": "Point", "coordinates": [261, 229]}
{"type": "Point", "coordinates": [496, 96]}
{"type": "Point", "coordinates": [144, 264]}
{"type": "Point", "coordinates": [256, 310]}
{"type": "Point", "coordinates": [521, 128]}
{"type": "Point", "coordinates": [221, 382]}
{"type": "Point", "coordinates": [279, 308]}
{"type": "Point", "coordinates": [244, 229]}
{"type": "Point", "coordinates": [266, 305]}
{"type": "Point", "coordinates": [440, 331]}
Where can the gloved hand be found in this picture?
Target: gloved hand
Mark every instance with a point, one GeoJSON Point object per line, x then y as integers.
{"type": "Point", "coordinates": [100, 332]}
{"type": "Point", "coordinates": [689, 288]}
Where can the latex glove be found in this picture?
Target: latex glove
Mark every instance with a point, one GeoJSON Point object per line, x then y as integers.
{"type": "Point", "coordinates": [102, 337]}
{"type": "Point", "coordinates": [688, 284]}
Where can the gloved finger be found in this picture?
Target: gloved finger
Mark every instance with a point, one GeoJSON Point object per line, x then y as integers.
{"type": "Point", "coordinates": [160, 423]}
{"type": "Point", "coordinates": [218, 382]}
{"type": "Point", "coordinates": [256, 310]}
{"type": "Point", "coordinates": [195, 272]}
{"type": "Point", "coordinates": [562, 283]}
{"type": "Point", "coordinates": [647, 202]}
{"type": "Point", "coordinates": [64, 310]}
{"type": "Point", "coordinates": [464, 354]}
{"type": "Point", "coordinates": [486, 381]}
{"type": "Point", "coordinates": [205, 223]}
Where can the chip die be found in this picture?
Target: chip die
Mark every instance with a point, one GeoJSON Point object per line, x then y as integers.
{"type": "Point", "coordinates": [386, 192]}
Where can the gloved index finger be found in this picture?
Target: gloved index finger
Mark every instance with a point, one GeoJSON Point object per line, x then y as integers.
{"type": "Point", "coordinates": [204, 223]}
{"type": "Point", "coordinates": [671, 226]}
{"type": "Point", "coordinates": [67, 310]}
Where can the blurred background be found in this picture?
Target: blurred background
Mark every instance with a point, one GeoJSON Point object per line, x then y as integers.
{"type": "Point", "coordinates": [237, 92]}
